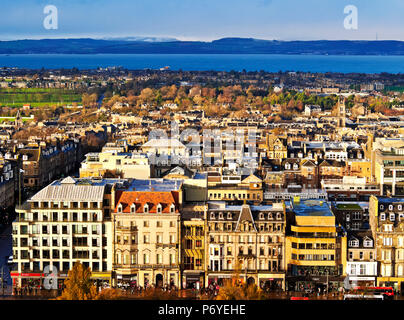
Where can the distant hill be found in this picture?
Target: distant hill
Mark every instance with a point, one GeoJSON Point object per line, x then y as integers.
{"type": "Point", "coordinates": [221, 46]}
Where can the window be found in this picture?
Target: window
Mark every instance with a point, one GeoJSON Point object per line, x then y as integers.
{"type": "Point", "coordinates": [146, 208]}
{"type": "Point", "coordinates": [362, 269]}
{"type": "Point", "coordinates": [146, 258]}
{"type": "Point", "coordinates": [387, 241]}
{"type": "Point", "coordinates": [133, 208]}
{"type": "Point", "coordinates": [120, 208]}
{"type": "Point", "coordinates": [354, 243]}
{"type": "Point", "coordinates": [388, 227]}
{"type": "Point", "coordinates": [159, 258]}
{"type": "Point", "coordinates": [159, 238]}
{"type": "Point", "coordinates": [368, 243]}
{"type": "Point", "coordinates": [383, 217]}
{"type": "Point", "coordinates": [392, 216]}
{"type": "Point", "coordinates": [159, 208]}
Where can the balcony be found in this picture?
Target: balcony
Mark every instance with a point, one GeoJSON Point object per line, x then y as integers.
{"type": "Point", "coordinates": [126, 228]}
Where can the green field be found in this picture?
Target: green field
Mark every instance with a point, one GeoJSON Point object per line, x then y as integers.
{"type": "Point", "coordinates": [37, 97]}
{"type": "Point", "coordinates": [5, 119]}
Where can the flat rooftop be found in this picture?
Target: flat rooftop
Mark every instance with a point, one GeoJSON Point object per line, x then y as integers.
{"type": "Point", "coordinates": [312, 207]}
{"type": "Point", "coordinates": [349, 206]}
{"type": "Point", "coordinates": [154, 185]}
{"type": "Point", "coordinates": [389, 200]}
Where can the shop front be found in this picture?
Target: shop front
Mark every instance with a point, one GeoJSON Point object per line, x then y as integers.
{"type": "Point", "coordinates": [315, 284]}
{"type": "Point", "coordinates": [126, 280]}
{"type": "Point", "coordinates": [192, 279]}
{"type": "Point", "coordinates": [271, 282]}
{"type": "Point", "coordinates": [101, 279]}
{"type": "Point", "coordinates": [362, 281]}
{"type": "Point", "coordinates": [32, 283]}
{"type": "Point", "coordinates": [397, 283]}
{"type": "Point", "coordinates": [218, 279]}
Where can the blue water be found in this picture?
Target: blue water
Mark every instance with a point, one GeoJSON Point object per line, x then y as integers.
{"type": "Point", "coordinates": [220, 62]}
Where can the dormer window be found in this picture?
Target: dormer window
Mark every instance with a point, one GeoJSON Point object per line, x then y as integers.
{"type": "Point", "coordinates": [392, 217]}
{"type": "Point", "coordinates": [212, 215]}
{"type": "Point", "coordinates": [287, 166]}
{"type": "Point", "coordinates": [261, 216]}
{"type": "Point", "coordinates": [221, 215]}
{"type": "Point", "coordinates": [368, 243]}
{"type": "Point", "coordinates": [229, 216]}
{"type": "Point", "coordinates": [381, 207]}
{"type": "Point", "coordinates": [133, 208]}
{"type": "Point", "coordinates": [354, 243]}
{"type": "Point", "coordinates": [391, 207]}
{"type": "Point", "coordinates": [383, 217]}
{"type": "Point", "coordinates": [172, 208]}
{"type": "Point", "coordinates": [400, 207]}
{"type": "Point", "coordinates": [159, 208]}
{"type": "Point", "coordinates": [120, 208]}
{"type": "Point", "coordinates": [146, 208]}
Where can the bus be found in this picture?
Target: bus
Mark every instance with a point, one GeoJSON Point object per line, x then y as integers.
{"type": "Point", "coordinates": [385, 292]}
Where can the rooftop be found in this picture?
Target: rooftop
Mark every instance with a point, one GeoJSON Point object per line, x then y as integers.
{"type": "Point", "coordinates": [154, 185]}
{"type": "Point", "coordinates": [311, 207]}
{"type": "Point", "coordinates": [349, 206]}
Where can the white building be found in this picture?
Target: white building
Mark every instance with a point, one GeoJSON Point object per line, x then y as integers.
{"type": "Point", "coordinates": [68, 220]}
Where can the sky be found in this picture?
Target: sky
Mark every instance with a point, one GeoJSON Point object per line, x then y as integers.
{"type": "Point", "coordinates": [204, 20]}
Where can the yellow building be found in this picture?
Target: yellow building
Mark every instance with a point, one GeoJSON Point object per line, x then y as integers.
{"type": "Point", "coordinates": [386, 218]}
{"type": "Point", "coordinates": [248, 240]}
{"type": "Point", "coordinates": [315, 247]}
{"type": "Point", "coordinates": [360, 168]}
{"type": "Point", "coordinates": [231, 188]}
{"type": "Point", "coordinates": [147, 234]}
{"type": "Point", "coordinates": [193, 244]}
{"type": "Point", "coordinates": [275, 148]}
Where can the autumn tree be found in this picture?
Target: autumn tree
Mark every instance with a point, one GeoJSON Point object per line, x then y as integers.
{"type": "Point", "coordinates": [146, 95]}
{"type": "Point", "coordinates": [78, 285]}
{"type": "Point", "coordinates": [235, 289]}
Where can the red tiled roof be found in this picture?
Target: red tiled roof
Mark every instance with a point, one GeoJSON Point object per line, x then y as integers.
{"type": "Point", "coordinates": [140, 198]}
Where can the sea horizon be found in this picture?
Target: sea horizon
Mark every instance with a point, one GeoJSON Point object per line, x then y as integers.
{"type": "Point", "coordinates": [316, 63]}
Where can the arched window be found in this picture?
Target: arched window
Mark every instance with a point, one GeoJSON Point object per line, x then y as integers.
{"type": "Point", "coordinates": [133, 208]}
{"type": "Point", "coordinates": [172, 208]}
{"type": "Point", "coordinates": [146, 208]}
{"type": "Point", "coordinates": [120, 208]}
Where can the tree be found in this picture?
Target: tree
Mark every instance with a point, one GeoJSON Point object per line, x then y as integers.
{"type": "Point", "coordinates": [78, 284]}
{"type": "Point", "coordinates": [234, 289]}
